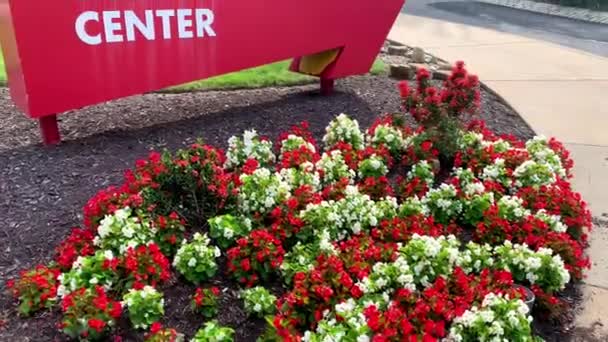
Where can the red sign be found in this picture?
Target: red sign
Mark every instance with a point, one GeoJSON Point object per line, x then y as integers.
{"type": "Point", "coordinates": [67, 54]}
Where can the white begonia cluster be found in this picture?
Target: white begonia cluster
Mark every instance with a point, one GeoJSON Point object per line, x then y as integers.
{"type": "Point", "coordinates": [474, 258]}
{"type": "Point", "coordinates": [226, 229]}
{"type": "Point", "coordinates": [469, 184]}
{"type": "Point", "coordinates": [388, 135]}
{"type": "Point", "coordinates": [304, 174]}
{"type": "Point", "coordinates": [388, 277]}
{"type": "Point", "coordinates": [145, 306]}
{"type": "Point", "coordinates": [325, 243]}
{"type": "Point", "coordinates": [195, 260]}
{"type": "Point", "coordinates": [358, 212]}
{"type": "Point", "coordinates": [539, 149]}
{"type": "Point", "coordinates": [258, 301]}
{"type": "Point", "coordinates": [430, 257]}
{"type": "Point", "coordinates": [294, 142]}
{"type": "Point", "coordinates": [422, 170]}
{"type": "Point", "coordinates": [212, 331]}
{"type": "Point", "coordinates": [372, 166]}
{"type": "Point", "coordinates": [470, 140]}
{"type": "Point", "coordinates": [412, 206]}
{"type": "Point", "coordinates": [123, 229]}
{"type": "Point", "coordinates": [352, 325]}
{"type": "Point", "coordinates": [88, 271]}
{"type": "Point", "coordinates": [512, 208]}
{"type": "Point", "coordinates": [352, 214]}
{"type": "Point", "coordinates": [533, 173]}
{"type": "Point", "coordinates": [497, 172]}
{"type": "Point", "coordinates": [261, 191]}
{"type": "Point", "coordinates": [343, 128]}
{"type": "Point", "coordinates": [333, 168]}
{"type": "Point", "coordinates": [553, 221]}
{"type": "Point", "coordinates": [474, 197]}
{"type": "Point", "coordinates": [443, 203]}
{"type": "Point", "coordinates": [387, 207]}
{"type": "Point", "coordinates": [247, 147]}
{"type": "Point", "coordinates": [498, 319]}
{"type": "Point", "coordinates": [537, 267]}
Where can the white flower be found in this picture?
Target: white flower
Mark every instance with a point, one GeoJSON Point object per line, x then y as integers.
{"type": "Point", "coordinates": [362, 338]}
{"type": "Point", "coordinates": [108, 255]}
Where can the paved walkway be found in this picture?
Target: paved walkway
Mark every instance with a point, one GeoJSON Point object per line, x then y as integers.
{"type": "Point", "coordinates": [560, 92]}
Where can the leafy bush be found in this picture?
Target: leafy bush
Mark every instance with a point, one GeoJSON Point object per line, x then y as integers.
{"type": "Point", "coordinates": [213, 332]}
{"type": "Point", "coordinates": [195, 260]}
{"type": "Point", "coordinates": [146, 265]}
{"type": "Point", "coordinates": [145, 306]}
{"type": "Point", "coordinates": [498, 318]}
{"type": "Point", "coordinates": [88, 313]}
{"type": "Point", "coordinates": [258, 301]}
{"type": "Point", "coordinates": [89, 272]}
{"type": "Point", "coordinates": [205, 301]}
{"type": "Point", "coordinates": [255, 257]}
{"type": "Point", "coordinates": [226, 229]}
{"type": "Point", "coordinates": [35, 289]}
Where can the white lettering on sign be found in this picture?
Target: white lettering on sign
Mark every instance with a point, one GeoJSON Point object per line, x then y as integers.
{"type": "Point", "coordinates": [111, 26]}
{"type": "Point", "coordinates": [166, 16]}
{"type": "Point", "coordinates": [116, 25]}
{"type": "Point", "coordinates": [204, 19]}
{"type": "Point", "coordinates": [132, 22]}
{"type": "Point", "coordinates": [183, 24]}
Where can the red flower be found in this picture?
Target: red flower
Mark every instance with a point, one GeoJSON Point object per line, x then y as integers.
{"type": "Point", "coordinates": [97, 324]}
{"type": "Point", "coordinates": [404, 88]}
{"type": "Point", "coordinates": [356, 291]}
{"type": "Point", "coordinates": [155, 327]}
{"type": "Point", "coordinates": [116, 310]}
{"type": "Point", "coordinates": [245, 265]}
{"type": "Point", "coordinates": [250, 166]}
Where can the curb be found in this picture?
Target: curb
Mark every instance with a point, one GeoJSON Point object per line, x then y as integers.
{"type": "Point", "coordinates": [598, 17]}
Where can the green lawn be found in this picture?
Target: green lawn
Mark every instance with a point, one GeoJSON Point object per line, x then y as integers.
{"type": "Point", "coordinates": [2, 70]}
{"type": "Point", "coordinates": [275, 74]}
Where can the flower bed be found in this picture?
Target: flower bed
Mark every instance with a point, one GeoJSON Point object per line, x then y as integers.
{"type": "Point", "coordinates": [387, 234]}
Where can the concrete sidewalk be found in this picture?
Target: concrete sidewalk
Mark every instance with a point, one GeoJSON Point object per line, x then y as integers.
{"type": "Point", "coordinates": [560, 92]}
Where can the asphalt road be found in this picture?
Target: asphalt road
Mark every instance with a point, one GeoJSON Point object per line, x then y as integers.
{"type": "Point", "coordinates": [578, 34]}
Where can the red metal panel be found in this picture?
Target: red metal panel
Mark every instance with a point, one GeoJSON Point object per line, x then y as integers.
{"type": "Point", "coordinates": [52, 69]}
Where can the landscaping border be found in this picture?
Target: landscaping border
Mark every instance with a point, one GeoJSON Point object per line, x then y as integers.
{"type": "Point", "coordinates": [598, 17]}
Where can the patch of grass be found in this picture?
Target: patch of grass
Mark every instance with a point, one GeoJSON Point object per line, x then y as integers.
{"type": "Point", "coordinates": [269, 75]}
{"type": "Point", "coordinates": [275, 74]}
{"type": "Point", "coordinates": [2, 70]}
{"type": "Point", "coordinates": [378, 68]}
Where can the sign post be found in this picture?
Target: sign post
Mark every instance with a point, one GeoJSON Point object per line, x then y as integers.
{"type": "Point", "coordinates": [64, 55]}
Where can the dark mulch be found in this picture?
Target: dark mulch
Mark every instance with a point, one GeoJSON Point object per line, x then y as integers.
{"type": "Point", "coordinates": [43, 189]}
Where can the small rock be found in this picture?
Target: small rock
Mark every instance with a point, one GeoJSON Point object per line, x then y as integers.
{"type": "Point", "coordinates": [441, 75]}
{"type": "Point", "coordinates": [444, 66]}
{"type": "Point", "coordinates": [418, 55]}
{"type": "Point", "coordinates": [397, 50]}
{"type": "Point", "coordinates": [401, 71]}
